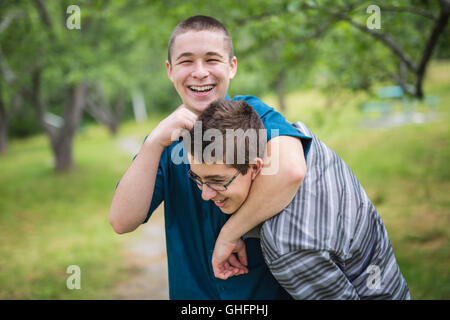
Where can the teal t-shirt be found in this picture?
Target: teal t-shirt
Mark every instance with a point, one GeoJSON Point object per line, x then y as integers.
{"type": "Point", "coordinates": [193, 224]}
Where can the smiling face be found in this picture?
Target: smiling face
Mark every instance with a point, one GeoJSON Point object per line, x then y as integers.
{"type": "Point", "coordinates": [201, 68]}
{"type": "Point", "coordinates": [230, 200]}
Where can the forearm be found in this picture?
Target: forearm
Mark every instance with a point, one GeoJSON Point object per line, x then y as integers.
{"type": "Point", "coordinates": [270, 193]}
{"type": "Point", "coordinates": [133, 195]}
{"type": "Point", "coordinates": [265, 200]}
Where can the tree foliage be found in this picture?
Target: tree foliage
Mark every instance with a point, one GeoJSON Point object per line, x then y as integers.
{"type": "Point", "coordinates": [281, 45]}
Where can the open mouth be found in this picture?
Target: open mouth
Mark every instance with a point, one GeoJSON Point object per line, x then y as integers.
{"type": "Point", "coordinates": [221, 203]}
{"type": "Point", "coordinates": [201, 90]}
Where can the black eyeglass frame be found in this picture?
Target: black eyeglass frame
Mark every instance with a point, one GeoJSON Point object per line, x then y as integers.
{"type": "Point", "coordinates": [200, 183]}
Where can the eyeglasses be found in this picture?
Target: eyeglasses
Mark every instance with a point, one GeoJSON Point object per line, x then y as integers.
{"type": "Point", "coordinates": [213, 185]}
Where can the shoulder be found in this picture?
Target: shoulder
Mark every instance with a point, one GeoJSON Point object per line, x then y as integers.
{"type": "Point", "coordinates": [275, 123]}
{"type": "Point", "coordinates": [260, 107]}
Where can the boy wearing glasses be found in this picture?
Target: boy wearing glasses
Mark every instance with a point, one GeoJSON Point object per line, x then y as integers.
{"type": "Point", "coordinates": [329, 242]}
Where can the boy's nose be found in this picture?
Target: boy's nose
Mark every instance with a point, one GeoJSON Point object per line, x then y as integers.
{"type": "Point", "coordinates": [200, 71]}
{"type": "Point", "coordinates": [208, 193]}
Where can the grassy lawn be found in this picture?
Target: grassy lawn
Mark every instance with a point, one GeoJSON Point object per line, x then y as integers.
{"type": "Point", "coordinates": [49, 222]}
{"type": "Point", "coordinates": [404, 170]}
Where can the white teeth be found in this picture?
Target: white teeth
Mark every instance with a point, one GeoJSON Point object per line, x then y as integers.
{"type": "Point", "coordinates": [201, 89]}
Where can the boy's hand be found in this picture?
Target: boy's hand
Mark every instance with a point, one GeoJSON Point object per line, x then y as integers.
{"type": "Point", "coordinates": [170, 129]}
{"type": "Point", "coordinates": [224, 262]}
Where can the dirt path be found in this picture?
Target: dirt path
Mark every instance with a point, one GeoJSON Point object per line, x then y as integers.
{"type": "Point", "coordinates": [144, 253]}
{"type": "Point", "coordinates": [145, 260]}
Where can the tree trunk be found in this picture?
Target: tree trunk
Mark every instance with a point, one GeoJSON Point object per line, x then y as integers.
{"type": "Point", "coordinates": [118, 110]}
{"type": "Point", "coordinates": [280, 89]}
{"type": "Point", "coordinates": [101, 110]}
{"type": "Point", "coordinates": [438, 29]}
{"type": "Point", "coordinates": [113, 128]}
{"type": "Point", "coordinates": [73, 109]}
{"type": "Point", "coordinates": [3, 133]}
{"type": "Point", "coordinates": [419, 70]}
{"type": "Point", "coordinates": [3, 126]}
{"type": "Point", "coordinates": [63, 154]}
{"type": "Point", "coordinates": [61, 137]}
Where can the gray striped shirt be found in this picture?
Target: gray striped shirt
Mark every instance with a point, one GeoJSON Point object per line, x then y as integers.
{"type": "Point", "coordinates": [330, 242]}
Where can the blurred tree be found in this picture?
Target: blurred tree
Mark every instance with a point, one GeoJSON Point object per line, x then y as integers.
{"type": "Point", "coordinates": [418, 46]}
{"type": "Point", "coordinates": [59, 70]}
{"type": "Point", "coordinates": [285, 53]}
{"type": "Point", "coordinates": [101, 110]}
{"type": "Point", "coordinates": [397, 61]}
{"type": "Point", "coordinates": [30, 45]}
{"type": "Point", "coordinates": [8, 83]}
{"type": "Point", "coordinates": [3, 124]}
{"type": "Point", "coordinates": [121, 47]}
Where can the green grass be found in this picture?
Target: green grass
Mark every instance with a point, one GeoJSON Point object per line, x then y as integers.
{"type": "Point", "coordinates": [49, 221]}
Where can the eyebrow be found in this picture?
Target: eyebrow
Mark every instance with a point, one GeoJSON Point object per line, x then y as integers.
{"type": "Point", "coordinates": [212, 53]}
{"type": "Point", "coordinates": [184, 54]}
{"type": "Point", "coordinates": [190, 54]}
{"type": "Point", "coordinates": [215, 177]}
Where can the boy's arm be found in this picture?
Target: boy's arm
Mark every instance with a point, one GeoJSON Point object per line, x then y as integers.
{"type": "Point", "coordinates": [269, 194]}
{"type": "Point", "coordinates": [134, 193]}
{"type": "Point", "coordinates": [133, 196]}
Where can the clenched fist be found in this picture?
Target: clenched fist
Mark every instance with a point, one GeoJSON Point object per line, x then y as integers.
{"type": "Point", "coordinates": [170, 129]}
{"type": "Point", "coordinates": [225, 264]}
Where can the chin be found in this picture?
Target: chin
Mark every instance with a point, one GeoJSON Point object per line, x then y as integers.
{"type": "Point", "coordinates": [199, 106]}
{"type": "Point", "coordinates": [230, 211]}
{"type": "Point", "coordinates": [226, 211]}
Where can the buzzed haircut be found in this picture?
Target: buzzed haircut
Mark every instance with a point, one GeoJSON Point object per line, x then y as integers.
{"type": "Point", "coordinates": [201, 23]}
{"type": "Point", "coordinates": [238, 118]}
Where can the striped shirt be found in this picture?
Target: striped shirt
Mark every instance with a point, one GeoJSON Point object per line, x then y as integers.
{"type": "Point", "coordinates": [330, 242]}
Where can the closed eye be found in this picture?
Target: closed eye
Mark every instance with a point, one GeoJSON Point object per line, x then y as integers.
{"type": "Point", "coordinates": [216, 181]}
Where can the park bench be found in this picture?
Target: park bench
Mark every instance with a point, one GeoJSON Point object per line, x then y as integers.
{"type": "Point", "coordinates": [384, 106]}
{"type": "Point", "coordinates": [392, 98]}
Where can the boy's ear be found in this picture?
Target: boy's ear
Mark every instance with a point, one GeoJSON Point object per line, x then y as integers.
{"type": "Point", "coordinates": [256, 167]}
{"type": "Point", "coordinates": [233, 66]}
{"type": "Point", "coordinates": [169, 70]}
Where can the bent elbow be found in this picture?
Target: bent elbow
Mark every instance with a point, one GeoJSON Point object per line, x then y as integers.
{"type": "Point", "coordinates": [298, 174]}
{"type": "Point", "coordinates": [116, 225]}
{"type": "Point", "coordinates": [118, 230]}
{"type": "Point", "coordinates": [294, 173]}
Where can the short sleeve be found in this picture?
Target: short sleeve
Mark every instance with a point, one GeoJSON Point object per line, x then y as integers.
{"type": "Point", "coordinates": [275, 123]}
{"type": "Point", "coordinates": [158, 190]}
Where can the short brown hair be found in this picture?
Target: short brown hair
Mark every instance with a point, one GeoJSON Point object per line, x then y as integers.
{"type": "Point", "coordinates": [200, 23]}
{"type": "Point", "coordinates": [225, 114]}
